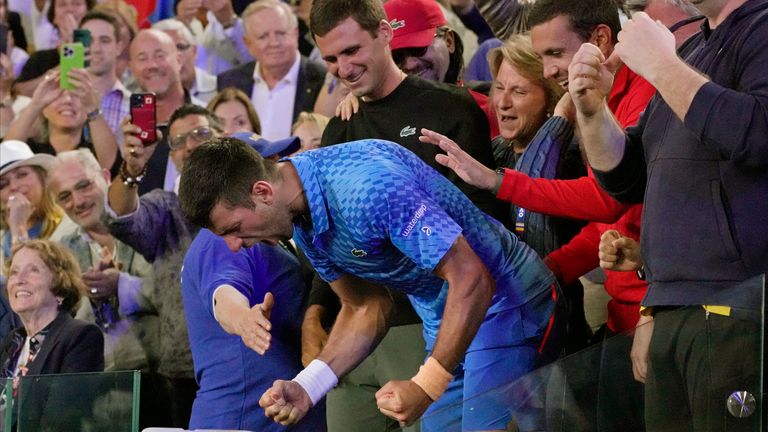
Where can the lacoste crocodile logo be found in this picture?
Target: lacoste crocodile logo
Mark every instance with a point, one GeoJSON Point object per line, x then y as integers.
{"type": "Point", "coordinates": [407, 131]}
{"type": "Point", "coordinates": [396, 24]}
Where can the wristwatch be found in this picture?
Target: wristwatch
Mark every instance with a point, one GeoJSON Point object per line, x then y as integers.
{"type": "Point", "coordinates": [499, 180]}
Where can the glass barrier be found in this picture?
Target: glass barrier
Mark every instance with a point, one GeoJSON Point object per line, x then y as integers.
{"type": "Point", "coordinates": [6, 404]}
{"type": "Point", "coordinates": [88, 402]}
{"type": "Point", "coordinates": [708, 360]}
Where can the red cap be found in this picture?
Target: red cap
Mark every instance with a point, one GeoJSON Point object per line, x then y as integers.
{"type": "Point", "coordinates": [414, 22]}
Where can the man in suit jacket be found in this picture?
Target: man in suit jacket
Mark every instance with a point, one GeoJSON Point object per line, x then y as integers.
{"type": "Point", "coordinates": [280, 82]}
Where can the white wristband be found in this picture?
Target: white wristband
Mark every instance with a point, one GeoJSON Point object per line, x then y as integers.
{"type": "Point", "coordinates": [317, 379]}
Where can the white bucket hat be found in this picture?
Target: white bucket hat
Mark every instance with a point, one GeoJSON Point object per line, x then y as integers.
{"type": "Point", "coordinates": [14, 154]}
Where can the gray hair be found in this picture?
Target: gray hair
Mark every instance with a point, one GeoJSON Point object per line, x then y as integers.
{"type": "Point", "coordinates": [172, 24]}
{"type": "Point", "coordinates": [260, 5]}
{"type": "Point", "coordinates": [82, 157]}
{"type": "Point", "coordinates": [632, 6]}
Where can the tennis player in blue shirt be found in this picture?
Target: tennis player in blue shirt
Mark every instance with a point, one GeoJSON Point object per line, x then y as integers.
{"type": "Point", "coordinates": [367, 214]}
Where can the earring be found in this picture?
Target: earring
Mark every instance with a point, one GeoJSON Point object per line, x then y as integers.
{"type": "Point", "coordinates": [59, 300]}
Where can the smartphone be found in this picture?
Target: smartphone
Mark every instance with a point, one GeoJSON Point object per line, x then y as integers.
{"type": "Point", "coordinates": [72, 56]}
{"type": "Point", "coordinates": [84, 37]}
{"type": "Point", "coordinates": [143, 115]}
{"type": "Point", "coordinates": [3, 39]}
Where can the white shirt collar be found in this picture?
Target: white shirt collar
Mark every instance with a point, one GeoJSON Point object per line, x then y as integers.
{"type": "Point", "coordinates": [291, 77]}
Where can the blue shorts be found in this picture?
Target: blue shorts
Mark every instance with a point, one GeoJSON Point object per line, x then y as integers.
{"type": "Point", "coordinates": [474, 399]}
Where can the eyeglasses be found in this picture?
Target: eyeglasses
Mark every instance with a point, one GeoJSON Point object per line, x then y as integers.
{"type": "Point", "coordinates": [400, 55]}
{"type": "Point", "coordinates": [680, 24]}
{"type": "Point", "coordinates": [64, 198]}
{"type": "Point", "coordinates": [199, 135]}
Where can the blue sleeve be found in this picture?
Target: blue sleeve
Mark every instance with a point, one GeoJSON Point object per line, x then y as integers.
{"type": "Point", "coordinates": [415, 224]}
{"type": "Point", "coordinates": [220, 266]}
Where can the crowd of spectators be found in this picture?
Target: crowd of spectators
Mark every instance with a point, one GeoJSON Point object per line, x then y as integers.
{"type": "Point", "coordinates": [573, 135]}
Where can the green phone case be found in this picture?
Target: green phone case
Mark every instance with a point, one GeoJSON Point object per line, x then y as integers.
{"type": "Point", "coordinates": [72, 56]}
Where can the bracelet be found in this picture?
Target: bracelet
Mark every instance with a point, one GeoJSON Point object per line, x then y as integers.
{"type": "Point", "coordinates": [128, 180]}
{"type": "Point", "coordinates": [499, 181]}
{"type": "Point", "coordinates": [433, 378]}
{"type": "Point", "coordinates": [93, 115]}
{"type": "Point", "coordinates": [316, 379]}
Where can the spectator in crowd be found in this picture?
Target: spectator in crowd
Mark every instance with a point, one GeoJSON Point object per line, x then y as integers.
{"type": "Point", "coordinates": [118, 280]}
{"type": "Point", "coordinates": [16, 42]}
{"type": "Point", "coordinates": [281, 82]}
{"type": "Point", "coordinates": [309, 128]}
{"type": "Point", "coordinates": [44, 289]}
{"type": "Point", "coordinates": [65, 115]}
{"type": "Point", "coordinates": [436, 57]}
{"type": "Point", "coordinates": [230, 298]}
{"type": "Point", "coordinates": [106, 45]}
{"type": "Point", "coordinates": [198, 82]}
{"type": "Point", "coordinates": [393, 106]}
{"type": "Point", "coordinates": [154, 226]}
{"type": "Point", "coordinates": [220, 42]}
{"type": "Point", "coordinates": [700, 143]}
{"type": "Point", "coordinates": [155, 65]}
{"type": "Point", "coordinates": [127, 16]}
{"type": "Point", "coordinates": [119, 295]}
{"type": "Point", "coordinates": [28, 209]}
{"type": "Point", "coordinates": [234, 109]}
{"type": "Point", "coordinates": [433, 261]}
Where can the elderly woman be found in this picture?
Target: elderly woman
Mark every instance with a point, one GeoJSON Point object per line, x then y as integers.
{"type": "Point", "coordinates": [235, 110]}
{"type": "Point", "coordinates": [44, 289]}
{"type": "Point", "coordinates": [28, 210]}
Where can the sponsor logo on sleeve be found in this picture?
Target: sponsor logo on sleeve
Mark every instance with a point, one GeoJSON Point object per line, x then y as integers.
{"type": "Point", "coordinates": [420, 212]}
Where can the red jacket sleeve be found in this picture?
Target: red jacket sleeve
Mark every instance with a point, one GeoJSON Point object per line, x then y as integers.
{"type": "Point", "coordinates": [580, 198]}
{"type": "Point", "coordinates": [578, 257]}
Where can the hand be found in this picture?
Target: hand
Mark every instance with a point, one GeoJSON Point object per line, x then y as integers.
{"type": "Point", "coordinates": [313, 339]}
{"type": "Point", "coordinates": [187, 9]}
{"type": "Point", "coordinates": [84, 90]}
{"type": "Point", "coordinates": [254, 326]}
{"type": "Point", "coordinates": [47, 92]}
{"type": "Point", "coordinates": [286, 402]}
{"type": "Point", "coordinates": [619, 253]}
{"type": "Point", "coordinates": [590, 78]}
{"type": "Point", "coordinates": [565, 108]}
{"type": "Point", "coordinates": [136, 153]}
{"type": "Point", "coordinates": [403, 401]}
{"type": "Point", "coordinates": [6, 75]}
{"type": "Point", "coordinates": [102, 284]}
{"type": "Point", "coordinates": [222, 10]}
{"type": "Point", "coordinates": [347, 107]}
{"type": "Point", "coordinates": [67, 28]}
{"type": "Point", "coordinates": [645, 46]}
{"type": "Point", "coordinates": [19, 211]}
{"type": "Point", "coordinates": [466, 167]}
{"type": "Point", "coordinates": [640, 348]}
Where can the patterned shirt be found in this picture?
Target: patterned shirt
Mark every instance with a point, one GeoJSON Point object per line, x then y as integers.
{"type": "Point", "coordinates": [380, 213]}
{"type": "Point", "coordinates": [114, 108]}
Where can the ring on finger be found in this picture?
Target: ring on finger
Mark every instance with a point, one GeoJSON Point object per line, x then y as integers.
{"type": "Point", "coordinates": [133, 151]}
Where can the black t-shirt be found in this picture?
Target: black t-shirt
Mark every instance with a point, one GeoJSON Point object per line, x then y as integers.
{"type": "Point", "coordinates": [416, 104]}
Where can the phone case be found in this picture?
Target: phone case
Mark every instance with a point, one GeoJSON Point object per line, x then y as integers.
{"type": "Point", "coordinates": [72, 57]}
{"type": "Point", "coordinates": [84, 37]}
{"type": "Point", "coordinates": [3, 38]}
{"type": "Point", "coordinates": [143, 116]}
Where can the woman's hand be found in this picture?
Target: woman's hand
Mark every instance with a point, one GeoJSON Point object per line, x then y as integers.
{"type": "Point", "coordinates": [47, 92]}
{"type": "Point", "coordinates": [19, 212]}
{"type": "Point", "coordinates": [84, 90]}
{"type": "Point", "coordinates": [464, 165]}
{"type": "Point", "coordinates": [347, 107]}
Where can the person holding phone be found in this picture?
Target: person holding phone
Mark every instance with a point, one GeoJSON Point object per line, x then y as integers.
{"type": "Point", "coordinates": [65, 115]}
